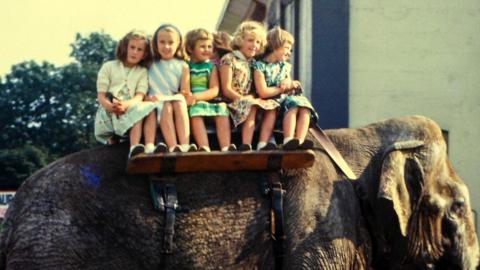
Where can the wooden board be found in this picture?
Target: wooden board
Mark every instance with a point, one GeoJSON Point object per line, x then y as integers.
{"type": "Point", "coordinates": [220, 161]}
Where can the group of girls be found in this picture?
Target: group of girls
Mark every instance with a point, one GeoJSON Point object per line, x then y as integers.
{"type": "Point", "coordinates": [138, 95]}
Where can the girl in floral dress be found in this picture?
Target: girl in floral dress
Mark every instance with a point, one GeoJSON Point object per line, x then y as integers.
{"type": "Point", "coordinates": [236, 80]}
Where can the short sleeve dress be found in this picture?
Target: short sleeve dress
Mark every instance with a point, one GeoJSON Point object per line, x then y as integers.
{"type": "Point", "coordinates": [242, 84]}
{"type": "Point", "coordinates": [274, 74]}
{"type": "Point", "coordinates": [164, 78]}
{"type": "Point", "coordinates": [200, 73]}
{"type": "Point", "coordinates": [122, 83]}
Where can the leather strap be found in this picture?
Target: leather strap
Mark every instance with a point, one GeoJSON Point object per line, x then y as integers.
{"type": "Point", "coordinates": [165, 200]}
{"type": "Point", "coordinates": [277, 223]}
{"type": "Point", "coordinates": [332, 151]}
{"type": "Point", "coordinates": [171, 204]}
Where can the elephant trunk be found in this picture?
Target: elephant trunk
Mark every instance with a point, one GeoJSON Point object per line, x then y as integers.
{"type": "Point", "coordinates": [424, 238]}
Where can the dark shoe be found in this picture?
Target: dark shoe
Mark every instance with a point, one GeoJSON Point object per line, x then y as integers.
{"type": "Point", "coordinates": [177, 149]}
{"type": "Point", "coordinates": [245, 147]}
{"type": "Point", "coordinates": [136, 150]}
{"type": "Point", "coordinates": [160, 148]}
{"type": "Point", "coordinates": [291, 145]}
{"type": "Point", "coordinates": [115, 139]}
{"type": "Point", "coordinates": [204, 149]}
{"type": "Point", "coordinates": [192, 148]}
{"type": "Point", "coordinates": [232, 147]}
{"type": "Point", "coordinates": [268, 147]}
{"type": "Point", "coordinates": [307, 144]}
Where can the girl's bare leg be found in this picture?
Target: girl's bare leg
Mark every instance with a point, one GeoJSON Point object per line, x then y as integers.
{"type": "Point", "coordinates": [248, 127]}
{"type": "Point", "coordinates": [224, 133]}
{"type": "Point", "coordinates": [182, 126]}
{"type": "Point", "coordinates": [167, 126]}
{"type": "Point", "coordinates": [303, 122]}
{"type": "Point", "coordinates": [150, 127]}
{"type": "Point", "coordinates": [199, 131]}
{"type": "Point", "coordinates": [289, 122]}
{"type": "Point", "coordinates": [135, 133]}
{"type": "Point", "coordinates": [268, 123]}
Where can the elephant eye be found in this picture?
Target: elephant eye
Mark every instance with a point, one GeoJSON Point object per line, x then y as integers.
{"type": "Point", "coordinates": [429, 207]}
{"type": "Point", "coordinates": [458, 206]}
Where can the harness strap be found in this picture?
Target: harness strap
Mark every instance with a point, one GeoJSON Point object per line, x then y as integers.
{"type": "Point", "coordinates": [165, 200]}
{"type": "Point", "coordinates": [332, 151]}
{"type": "Point", "coordinates": [272, 187]}
{"type": "Point", "coordinates": [171, 204]}
{"type": "Point", "coordinates": [277, 223]}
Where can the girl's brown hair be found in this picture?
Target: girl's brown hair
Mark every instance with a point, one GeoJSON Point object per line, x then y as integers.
{"type": "Point", "coordinates": [122, 47]}
{"type": "Point", "coordinates": [180, 54]}
{"type": "Point", "coordinates": [277, 38]}
{"type": "Point", "coordinates": [195, 35]}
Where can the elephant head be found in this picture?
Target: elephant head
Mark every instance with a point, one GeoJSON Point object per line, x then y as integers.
{"type": "Point", "coordinates": [418, 208]}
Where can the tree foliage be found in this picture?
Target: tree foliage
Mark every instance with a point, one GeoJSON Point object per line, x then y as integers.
{"type": "Point", "coordinates": [52, 108]}
{"type": "Point", "coordinates": [19, 163]}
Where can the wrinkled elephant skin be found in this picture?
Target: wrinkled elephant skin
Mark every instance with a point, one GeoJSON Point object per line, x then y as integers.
{"type": "Point", "coordinates": [407, 210]}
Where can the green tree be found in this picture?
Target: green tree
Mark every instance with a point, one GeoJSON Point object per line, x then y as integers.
{"type": "Point", "coordinates": [53, 108]}
{"type": "Point", "coordinates": [19, 163]}
{"type": "Point", "coordinates": [95, 49]}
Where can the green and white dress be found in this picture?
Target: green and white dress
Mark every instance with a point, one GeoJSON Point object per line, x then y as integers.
{"type": "Point", "coordinates": [274, 74]}
{"type": "Point", "coordinates": [122, 83]}
{"type": "Point", "coordinates": [199, 81]}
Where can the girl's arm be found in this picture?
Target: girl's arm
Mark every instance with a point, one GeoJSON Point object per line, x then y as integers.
{"type": "Point", "coordinates": [226, 81]}
{"type": "Point", "coordinates": [105, 102]}
{"type": "Point", "coordinates": [261, 86]}
{"type": "Point", "coordinates": [123, 105]}
{"type": "Point", "coordinates": [212, 91]}
{"type": "Point", "coordinates": [185, 85]}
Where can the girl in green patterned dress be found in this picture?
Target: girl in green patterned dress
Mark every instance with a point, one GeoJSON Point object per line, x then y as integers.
{"type": "Point", "coordinates": [272, 80]}
{"type": "Point", "coordinates": [204, 87]}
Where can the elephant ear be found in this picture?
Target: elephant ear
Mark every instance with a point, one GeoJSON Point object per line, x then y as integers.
{"type": "Point", "coordinates": [401, 180]}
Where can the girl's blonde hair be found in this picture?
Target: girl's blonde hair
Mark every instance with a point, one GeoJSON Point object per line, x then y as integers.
{"type": "Point", "coordinates": [277, 38]}
{"type": "Point", "coordinates": [180, 54]}
{"type": "Point", "coordinates": [195, 35]}
{"type": "Point", "coordinates": [122, 47]}
{"type": "Point", "coordinates": [248, 27]}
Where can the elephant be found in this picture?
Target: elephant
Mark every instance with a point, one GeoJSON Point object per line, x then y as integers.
{"type": "Point", "coordinates": [406, 210]}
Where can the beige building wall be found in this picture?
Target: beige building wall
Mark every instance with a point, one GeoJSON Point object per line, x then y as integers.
{"type": "Point", "coordinates": [420, 57]}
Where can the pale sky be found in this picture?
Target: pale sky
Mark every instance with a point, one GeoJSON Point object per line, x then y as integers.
{"type": "Point", "coordinates": [44, 29]}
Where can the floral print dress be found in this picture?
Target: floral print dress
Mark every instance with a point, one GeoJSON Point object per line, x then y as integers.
{"type": "Point", "coordinates": [242, 84]}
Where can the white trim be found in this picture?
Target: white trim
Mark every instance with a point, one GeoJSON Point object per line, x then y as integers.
{"type": "Point", "coordinates": [222, 14]}
{"type": "Point", "coordinates": [305, 46]}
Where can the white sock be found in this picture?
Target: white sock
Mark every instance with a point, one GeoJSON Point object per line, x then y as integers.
{"type": "Point", "coordinates": [260, 145]}
{"type": "Point", "coordinates": [171, 149]}
{"type": "Point", "coordinates": [149, 148]}
{"type": "Point", "coordinates": [184, 147]}
{"type": "Point", "coordinates": [225, 148]}
{"type": "Point", "coordinates": [287, 139]}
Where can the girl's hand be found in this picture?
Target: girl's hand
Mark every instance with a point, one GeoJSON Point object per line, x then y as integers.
{"type": "Point", "coordinates": [296, 85]}
{"type": "Point", "coordinates": [285, 85]}
{"type": "Point", "coordinates": [120, 106]}
{"type": "Point", "coordinates": [151, 98]}
{"type": "Point", "coordinates": [190, 100]}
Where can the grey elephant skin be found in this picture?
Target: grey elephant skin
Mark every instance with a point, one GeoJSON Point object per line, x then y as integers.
{"type": "Point", "coordinates": [407, 210]}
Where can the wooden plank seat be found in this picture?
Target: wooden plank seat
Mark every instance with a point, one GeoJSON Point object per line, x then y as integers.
{"type": "Point", "coordinates": [220, 161]}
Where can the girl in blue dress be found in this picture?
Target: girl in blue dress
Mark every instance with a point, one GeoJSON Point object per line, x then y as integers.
{"type": "Point", "coordinates": [169, 85]}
